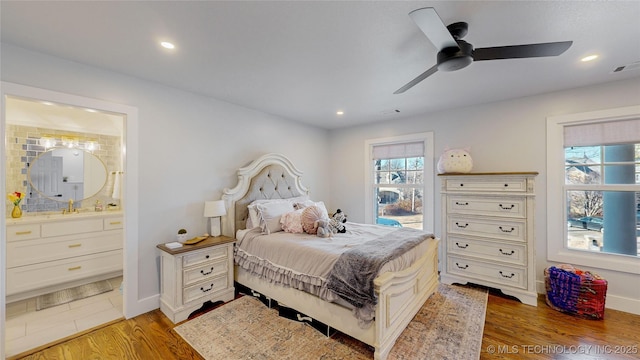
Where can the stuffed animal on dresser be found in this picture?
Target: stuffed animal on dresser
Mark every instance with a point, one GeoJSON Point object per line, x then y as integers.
{"type": "Point", "coordinates": [455, 161]}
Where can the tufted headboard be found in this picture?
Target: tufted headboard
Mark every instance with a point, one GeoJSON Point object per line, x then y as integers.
{"type": "Point", "coordinates": [272, 176]}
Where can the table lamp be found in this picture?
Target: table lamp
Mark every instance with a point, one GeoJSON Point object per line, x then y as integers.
{"type": "Point", "coordinates": [214, 210]}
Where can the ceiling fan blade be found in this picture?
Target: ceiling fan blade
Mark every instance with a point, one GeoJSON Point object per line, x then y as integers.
{"type": "Point", "coordinates": [415, 81]}
{"type": "Point", "coordinates": [521, 51]}
{"type": "Point", "coordinates": [432, 26]}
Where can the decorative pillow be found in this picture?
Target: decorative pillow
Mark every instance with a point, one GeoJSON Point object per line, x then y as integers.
{"type": "Point", "coordinates": [455, 161]}
{"type": "Point", "coordinates": [310, 217]}
{"type": "Point", "coordinates": [292, 222]}
{"type": "Point", "coordinates": [253, 219]}
{"type": "Point", "coordinates": [270, 213]}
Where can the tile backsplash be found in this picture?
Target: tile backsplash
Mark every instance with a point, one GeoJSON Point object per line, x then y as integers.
{"type": "Point", "coordinates": [23, 148]}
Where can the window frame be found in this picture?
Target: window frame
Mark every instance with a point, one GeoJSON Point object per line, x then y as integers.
{"type": "Point", "coordinates": [556, 207]}
{"type": "Point", "coordinates": [428, 205]}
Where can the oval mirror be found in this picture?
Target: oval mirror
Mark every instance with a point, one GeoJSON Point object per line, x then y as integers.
{"type": "Point", "coordinates": [63, 174]}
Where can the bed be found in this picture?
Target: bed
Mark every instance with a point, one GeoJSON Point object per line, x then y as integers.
{"type": "Point", "coordinates": [400, 290]}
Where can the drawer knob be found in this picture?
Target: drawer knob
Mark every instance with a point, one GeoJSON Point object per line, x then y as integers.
{"type": "Point", "coordinates": [506, 185]}
{"type": "Point", "coordinates": [507, 253]}
{"type": "Point", "coordinates": [206, 257]}
{"type": "Point", "coordinates": [462, 226]}
{"type": "Point", "coordinates": [23, 232]}
{"type": "Point", "coordinates": [75, 245]}
{"type": "Point", "coordinates": [75, 268]}
{"type": "Point", "coordinates": [205, 290]}
{"type": "Point", "coordinates": [462, 203]}
{"type": "Point", "coordinates": [463, 247]}
{"type": "Point", "coordinates": [507, 276]}
{"type": "Point", "coordinates": [507, 207]}
{"type": "Point", "coordinates": [462, 267]}
{"type": "Point", "coordinates": [506, 230]}
{"type": "Point", "coordinates": [206, 273]}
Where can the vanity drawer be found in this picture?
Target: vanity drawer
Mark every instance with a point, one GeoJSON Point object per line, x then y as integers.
{"type": "Point", "coordinates": [113, 223]}
{"type": "Point", "coordinates": [507, 229]}
{"type": "Point", "coordinates": [25, 278]}
{"type": "Point", "coordinates": [204, 288]}
{"type": "Point", "coordinates": [495, 273]}
{"type": "Point", "coordinates": [50, 249]}
{"type": "Point", "coordinates": [487, 206]}
{"type": "Point", "coordinates": [515, 253]}
{"type": "Point", "coordinates": [70, 227]}
{"type": "Point", "coordinates": [208, 254]}
{"type": "Point", "coordinates": [490, 185]}
{"type": "Point", "coordinates": [23, 232]}
{"type": "Point", "coordinates": [200, 273]}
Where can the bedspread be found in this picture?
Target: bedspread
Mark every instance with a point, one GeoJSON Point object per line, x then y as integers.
{"type": "Point", "coordinates": [304, 262]}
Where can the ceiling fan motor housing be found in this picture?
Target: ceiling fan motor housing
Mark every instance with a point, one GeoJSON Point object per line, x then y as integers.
{"type": "Point", "coordinates": [452, 58]}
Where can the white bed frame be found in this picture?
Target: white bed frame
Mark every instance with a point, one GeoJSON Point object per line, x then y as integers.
{"type": "Point", "coordinates": [400, 294]}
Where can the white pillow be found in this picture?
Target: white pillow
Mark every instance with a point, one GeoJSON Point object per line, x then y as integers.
{"type": "Point", "coordinates": [253, 219]}
{"type": "Point", "coordinates": [319, 204]}
{"type": "Point", "coordinates": [270, 213]}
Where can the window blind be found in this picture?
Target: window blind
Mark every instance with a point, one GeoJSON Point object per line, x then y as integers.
{"type": "Point", "coordinates": [603, 133]}
{"type": "Point", "coordinates": [398, 150]}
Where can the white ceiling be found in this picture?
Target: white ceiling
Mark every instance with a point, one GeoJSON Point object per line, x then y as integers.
{"type": "Point", "coordinates": [304, 60]}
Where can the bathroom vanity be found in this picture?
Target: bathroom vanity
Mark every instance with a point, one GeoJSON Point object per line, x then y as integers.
{"type": "Point", "coordinates": [51, 252]}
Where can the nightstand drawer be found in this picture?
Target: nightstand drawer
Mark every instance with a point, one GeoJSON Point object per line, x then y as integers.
{"type": "Point", "coordinates": [488, 206]}
{"type": "Point", "coordinates": [202, 272]}
{"type": "Point", "coordinates": [204, 256]}
{"type": "Point", "coordinates": [514, 253]}
{"type": "Point", "coordinates": [495, 273]}
{"type": "Point", "coordinates": [197, 291]}
{"type": "Point", "coordinates": [507, 229]}
{"type": "Point", "coordinates": [113, 223]}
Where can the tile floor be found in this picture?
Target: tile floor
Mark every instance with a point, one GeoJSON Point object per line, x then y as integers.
{"type": "Point", "coordinates": [27, 328]}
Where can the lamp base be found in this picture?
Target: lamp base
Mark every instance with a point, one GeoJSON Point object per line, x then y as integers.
{"type": "Point", "coordinates": [215, 229]}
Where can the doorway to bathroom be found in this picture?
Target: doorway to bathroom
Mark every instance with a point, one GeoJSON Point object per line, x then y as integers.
{"type": "Point", "coordinates": [67, 156]}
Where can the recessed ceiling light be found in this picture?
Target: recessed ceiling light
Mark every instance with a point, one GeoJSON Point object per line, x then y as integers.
{"type": "Point", "coordinates": [339, 112]}
{"type": "Point", "coordinates": [167, 45]}
{"type": "Point", "coordinates": [589, 58]}
{"type": "Point", "coordinates": [91, 110]}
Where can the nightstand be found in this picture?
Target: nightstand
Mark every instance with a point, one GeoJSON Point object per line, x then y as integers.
{"type": "Point", "coordinates": [194, 274]}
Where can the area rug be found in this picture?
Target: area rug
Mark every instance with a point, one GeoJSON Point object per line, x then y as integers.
{"type": "Point", "coordinates": [68, 295]}
{"type": "Point", "coordinates": [448, 326]}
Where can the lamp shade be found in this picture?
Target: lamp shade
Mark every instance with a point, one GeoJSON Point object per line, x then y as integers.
{"type": "Point", "coordinates": [214, 208]}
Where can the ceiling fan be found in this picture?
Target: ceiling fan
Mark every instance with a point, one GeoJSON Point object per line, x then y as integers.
{"type": "Point", "coordinates": [455, 53]}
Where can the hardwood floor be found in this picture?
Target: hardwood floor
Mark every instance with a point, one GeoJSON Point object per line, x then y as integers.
{"type": "Point", "coordinates": [511, 331]}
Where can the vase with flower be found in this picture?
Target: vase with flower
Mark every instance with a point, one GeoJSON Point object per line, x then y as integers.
{"type": "Point", "coordinates": [15, 197]}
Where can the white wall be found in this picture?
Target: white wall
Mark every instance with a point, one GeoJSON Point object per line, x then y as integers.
{"type": "Point", "coordinates": [189, 145]}
{"type": "Point", "coordinates": [503, 136]}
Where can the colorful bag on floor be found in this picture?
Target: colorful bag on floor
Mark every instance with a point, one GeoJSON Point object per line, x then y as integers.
{"type": "Point", "coordinates": [574, 291]}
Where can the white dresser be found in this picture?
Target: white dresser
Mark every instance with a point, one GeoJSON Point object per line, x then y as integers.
{"type": "Point", "coordinates": [488, 232]}
{"type": "Point", "coordinates": [52, 252]}
{"type": "Point", "coordinates": [194, 274]}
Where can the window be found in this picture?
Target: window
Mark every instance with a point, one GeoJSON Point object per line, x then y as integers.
{"type": "Point", "coordinates": [399, 189]}
{"type": "Point", "coordinates": [593, 195]}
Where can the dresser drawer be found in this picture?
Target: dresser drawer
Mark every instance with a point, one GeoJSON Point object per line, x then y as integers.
{"type": "Point", "coordinates": [113, 223]}
{"type": "Point", "coordinates": [514, 253]}
{"type": "Point", "coordinates": [202, 272]}
{"type": "Point", "coordinates": [507, 229]}
{"type": "Point", "coordinates": [209, 254]}
{"type": "Point", "coordinates": [205, 288]}
{"type": "Point", "coordinates": [60, 228]}
{"type": "Point", "coordinates": [25, 278]}
{"type": "Point", "coordinates": [487, 206]}
{"type": "Point", "coordinates": [23, 232]}
{"type": "Point", "coordinates": [49, 249]}
{"type": "Point", "coordinates": [492, 272]}
{"type": "Point", "coordinates": [490, 185]}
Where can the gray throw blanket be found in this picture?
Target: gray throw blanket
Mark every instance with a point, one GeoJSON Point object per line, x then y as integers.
{"type": "Point", "coordinates": [353, 273]}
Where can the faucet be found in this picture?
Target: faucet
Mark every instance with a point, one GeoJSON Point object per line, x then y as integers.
{"type": "Point", "coordinates": [70, 209]}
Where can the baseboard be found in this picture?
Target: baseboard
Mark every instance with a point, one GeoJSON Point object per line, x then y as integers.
{"type": "Point", "coordinates": [612, 301]}
{"type": "Point", "coordinates": [142, 306]}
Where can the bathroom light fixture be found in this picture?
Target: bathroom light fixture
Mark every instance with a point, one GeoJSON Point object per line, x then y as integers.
{"type": "Point", "coordinates": [339, 112]}
{"type": "Point", "coordinates": [589, 58]}
{"type": "Point", "coordinates": [69, 141]}
{"type": "Point", "coordinates": [214, 210]}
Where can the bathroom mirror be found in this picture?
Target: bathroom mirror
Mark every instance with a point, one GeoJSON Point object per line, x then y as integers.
{"type": "Point", "coordinates": [63, 174]}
